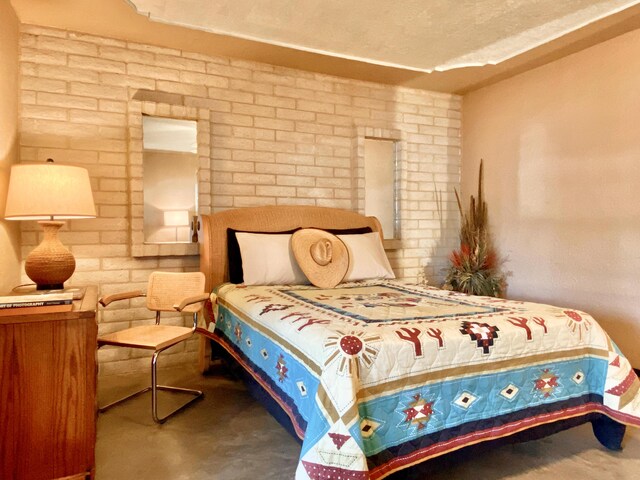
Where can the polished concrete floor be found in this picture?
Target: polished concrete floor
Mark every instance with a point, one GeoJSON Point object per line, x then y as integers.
{"type": "Point", "coordinates": [228, 436]}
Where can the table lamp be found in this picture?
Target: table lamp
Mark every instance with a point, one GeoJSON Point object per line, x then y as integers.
{"type": "Point", "coordinates": [49, 192]}
{"type": "Point", "coordinates": [177, 219]}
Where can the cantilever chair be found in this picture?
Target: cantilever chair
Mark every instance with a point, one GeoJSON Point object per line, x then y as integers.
{"type": "Point", "coordinates": [166, 292]}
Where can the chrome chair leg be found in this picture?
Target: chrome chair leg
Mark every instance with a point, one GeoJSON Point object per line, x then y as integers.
{"type": "Point", "coordinates": [123, 399]}
{"type": "Point", "coordinates": [154, 393]}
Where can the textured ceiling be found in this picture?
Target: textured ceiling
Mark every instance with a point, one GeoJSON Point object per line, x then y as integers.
{"type": "Point", "coordinates": [418, 35]}
{"type": "Point", "coordinates": [361, 38]}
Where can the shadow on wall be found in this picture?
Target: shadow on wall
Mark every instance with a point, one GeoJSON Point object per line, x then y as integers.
{"type": "Point", "coordinates": [9, 231]}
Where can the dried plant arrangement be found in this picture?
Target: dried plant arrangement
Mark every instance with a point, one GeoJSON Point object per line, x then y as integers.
{"type": "Point", "coordinates": [474, 266]}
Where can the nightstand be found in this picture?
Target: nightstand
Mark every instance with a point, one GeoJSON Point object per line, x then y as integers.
{"type": "Point", "coordinates": [48, 393]}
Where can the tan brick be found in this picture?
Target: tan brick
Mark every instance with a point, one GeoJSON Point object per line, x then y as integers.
{"type": "Point", "coordinates": [314, 171]}
{"type": "Point", "coordinates": [369, 103]}
{"type": "Point", "coordinates": [295, 180]}
{"type": "Point", "coordinates": [257, 133]}
{"type": "Point", "coordinates": [104, 144]}
{"type": "Point", "coordinates": [312, 84]}
{"type": "Point", "coordinates": [182, 88]}
{"type": "Point", "coordinates": [295, 159]}
{"type": "Point", "coordinates": [272, 101]}
{"type": "Point", "coordinates": [96, 39]}
{"type": "Point", "coordinates": [98, 91]}
{"type": "Point", "coordinates": [59, 72]}
{"type": "Point", "coordinates": [204, 79]}
{"type": "Point", "coordinates": [246, 155]}
{"type": "Point", "coordinates": [96, 118]}
{"type": "Point", "coordinates": [352, 111]}
{"type": "Point", "coordinates": [42, 57]}
{"type": "Point", "coordinates": [66, 45]}
{"type": "Point", "coordinates": [232, 119]}
{"type": "Point", "coordinates": [230, 189]}
{"type": "Point", "coordinates": [232, 166]}
{"type": "Point", "coordinates": [254, 178]}
{"type": "Point", "coordinates": [132, 81]}
{"type": "Point", "coordinates": [240, 202]}
{"type": "Point", "coordinates": [275, 168]}
{"type": "Point", "coordinates": [268, 77]}
{"type": "Point", "coordinates": [314, 128]}
{"type": "Point", "coordinates": [230, 142]}
{"type": "Point", "coordinates": [286, 125]}
{"type": "Point", "coordinates": [157, 73]}
{"type": "Point", "coordinates": [54, 127]}
{"type": "Point", "coordinates": [289, 114]}
{"type": "Point", "coordinates": [314, 192]}
{"type": "Point", "coordinates": [153, 48]}
{"type": "Point", "coordinates": [341, 120]}
{"type": "Point", "coordinates": [333, 182]}
{"type": "Point", "coordinates": [295, 137]}
{"type": "Point", "coordinates": [264, 145]}
{"type": "Point", "coordinates": [253, 110]}
{"type": "Point", "coordinates": [43, 84]}
{"type": "Point", "coordinates": [319, 107]}
{"type": "Point", "coordinates": [230, 95]}
{"type": "Point", "coordinates": [49, 113]}
{"type": "Point", "coordinates": [246, 86]}
{"type": "Point", "coordinates": [228, 71]}
{"type": "Point", "coordinates": [180, 62]}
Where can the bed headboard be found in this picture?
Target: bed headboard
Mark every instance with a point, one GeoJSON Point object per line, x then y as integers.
{"type": "Point", "coordinates": [212, 234]}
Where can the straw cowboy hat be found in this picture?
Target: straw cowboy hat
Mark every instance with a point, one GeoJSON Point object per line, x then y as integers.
{"type": "Point", "coordinates": [322, 256]}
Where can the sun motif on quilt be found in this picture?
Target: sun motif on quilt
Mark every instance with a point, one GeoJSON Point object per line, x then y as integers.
{"type": "Point", "coordinates": [352, 350]}
{"type": "Point", "coordinates": [418, 412]}
{"type": "Point", "coordinates": [547, 383]}
{"type": "Point", "coordinates": [482, 333]}
{"type": "Point", "coordinates": [577, 323]}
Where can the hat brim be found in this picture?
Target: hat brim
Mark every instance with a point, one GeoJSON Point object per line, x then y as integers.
{"type": "Point", "coordinates": [323, 276]}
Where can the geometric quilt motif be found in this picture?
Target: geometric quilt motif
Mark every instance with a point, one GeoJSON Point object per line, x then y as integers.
{"type": "Point", "coordinates": [418, 412]}
{"type": "Point", "coordinates": [546, 383]}
{"type": "Point", "coordinates": [509, 392]}
{"type": "Point", "coordinates": [322, 472]}
{"type": "Point", "coordinates": [368, 427]}
{"type": "Point", "coordinates": [578, 377]}
{"type": "Point", "coordinates": [465, 400]}
{"type": "Point", "coordinates": [482, 333]}
{"type": "Point", "coordinates": [302, 387]}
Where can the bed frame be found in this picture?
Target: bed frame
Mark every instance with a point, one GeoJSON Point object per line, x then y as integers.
{"type": "Point", "coordinates": [212, 235]}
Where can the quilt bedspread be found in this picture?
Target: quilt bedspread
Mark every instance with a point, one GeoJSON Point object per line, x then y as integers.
{"type": "Point", "coordinates": [380, 375]}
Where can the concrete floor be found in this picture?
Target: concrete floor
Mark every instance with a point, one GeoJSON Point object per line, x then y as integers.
{"type": "Point", "coordinates": [228, 436]}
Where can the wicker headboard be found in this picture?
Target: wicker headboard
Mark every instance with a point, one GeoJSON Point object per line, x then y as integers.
{"type": "Point", "coordinates": [213, 230]}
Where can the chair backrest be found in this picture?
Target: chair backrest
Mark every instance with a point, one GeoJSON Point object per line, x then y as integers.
{"type": "Point", "coordinates": [165, 289]}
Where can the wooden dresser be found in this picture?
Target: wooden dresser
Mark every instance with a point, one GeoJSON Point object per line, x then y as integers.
{"type": "Point", "coordinates": [48, 393]}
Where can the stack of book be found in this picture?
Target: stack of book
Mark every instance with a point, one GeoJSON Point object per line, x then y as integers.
{"type": "Point", "coordinates": [35, 302]}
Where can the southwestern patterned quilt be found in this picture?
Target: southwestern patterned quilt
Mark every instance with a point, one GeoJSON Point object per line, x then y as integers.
{"type": "Point", "coordinates": [380, 375]}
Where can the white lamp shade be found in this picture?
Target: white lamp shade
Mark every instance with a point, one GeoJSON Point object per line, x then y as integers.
{"type": "Point", "coordinates": [48, 191]}
{"type": "Point", "coordinates": [176, 218]}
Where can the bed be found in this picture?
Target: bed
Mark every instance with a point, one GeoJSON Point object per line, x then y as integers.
{"type": "Point", "coordinates": [378, 375]}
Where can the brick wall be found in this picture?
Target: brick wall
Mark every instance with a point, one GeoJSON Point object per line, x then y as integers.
{"type": "Point", "coordinates": [277, 136]}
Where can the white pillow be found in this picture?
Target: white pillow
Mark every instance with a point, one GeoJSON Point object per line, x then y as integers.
{"type": "Point", "coordinates": [366, 257]}
{"type": "Point", "coordinates": [267, 259]}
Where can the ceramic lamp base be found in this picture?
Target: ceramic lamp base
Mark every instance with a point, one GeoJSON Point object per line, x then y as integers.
{"type": "Point", "coordinates": [50, 264]}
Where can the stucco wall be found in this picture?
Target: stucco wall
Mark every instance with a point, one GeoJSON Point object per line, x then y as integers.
{"type": "Point", "coordinates": [9, 94]}
{"type": "Point", "coordinates": [561, 149]}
